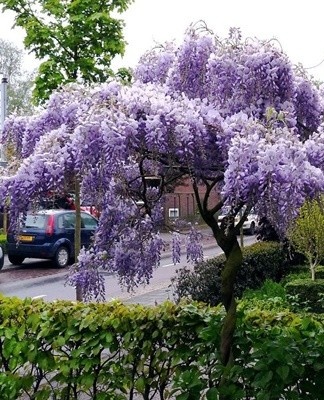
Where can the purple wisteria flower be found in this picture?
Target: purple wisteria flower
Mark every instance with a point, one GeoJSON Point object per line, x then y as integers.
{"type": "Point", "coordinates": [231, 117]}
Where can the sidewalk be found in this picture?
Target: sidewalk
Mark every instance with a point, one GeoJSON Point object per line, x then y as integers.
{"type": "Point", "coordinates": [152, 298]}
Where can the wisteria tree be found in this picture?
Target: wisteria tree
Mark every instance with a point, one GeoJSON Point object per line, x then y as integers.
{"type": "Point", "coordinates": [231, 115]}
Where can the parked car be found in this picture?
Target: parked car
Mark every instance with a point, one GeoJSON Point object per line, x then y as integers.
{"type": "Point", "coordinates": [65, 201]}
{"type": "Point", "coordinates": [250, 224]}
{"type": "Point", "coordinates": [93, 210]}
{"type": "Point", "coordinates": [49, 234]}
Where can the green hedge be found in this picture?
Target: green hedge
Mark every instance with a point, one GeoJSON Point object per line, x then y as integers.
{"type": "Point", "coordinates": [319, 274]}
{"type": "Point", "coordinates": [303, 271]}
{"type": "Point", "coordinates": [261, 261]}
{"type": "Point", "coordinates": [66, 350]}
{"type": "Point", "coordinates": [307, 293]}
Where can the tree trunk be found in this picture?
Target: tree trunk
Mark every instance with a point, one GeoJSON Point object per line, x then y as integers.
{"type": "Point", "coordinates": [226, 238]}
{"type": "Point", "coordinates": [312, 268]}
{"type": "Point", "coordinates": [233, 253]}
{"type": "Point", "coordinates": [232, 264]}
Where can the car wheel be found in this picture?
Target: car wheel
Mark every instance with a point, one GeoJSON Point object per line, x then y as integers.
{"type": "Point", "coordinates": [62, 257]}
{"type": "Point", "coordinates": [16, 260]}
{"type": "Point", "coordinates": [252, 228]}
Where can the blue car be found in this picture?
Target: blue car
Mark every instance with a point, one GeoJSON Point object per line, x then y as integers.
{"type": "Point", "coordinates": [49, 234]}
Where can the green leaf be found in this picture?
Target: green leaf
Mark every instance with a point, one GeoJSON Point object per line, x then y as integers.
{"type": "Point", "coordinates": [283, 372]}
{"type": "Point", "coordinates": [212, 394]}
{"type": "Point", "coordinates": [183, 396]}
{"type": "Point", "coordinates": [140, 384]}
{"type": "Point", "coordinates": [263, 379]}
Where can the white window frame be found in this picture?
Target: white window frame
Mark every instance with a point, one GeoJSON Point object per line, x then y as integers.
{"type": "Point", "coordinates": [173, 212]}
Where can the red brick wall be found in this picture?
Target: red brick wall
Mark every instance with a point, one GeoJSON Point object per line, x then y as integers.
{"type": "Point", "coordinates": [184, 200]}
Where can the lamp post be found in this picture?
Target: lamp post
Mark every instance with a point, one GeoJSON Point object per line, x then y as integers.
{"type": "Point", "coordinates": [3, 161]}
{"type": "Point", "coordinates": [3, 108]}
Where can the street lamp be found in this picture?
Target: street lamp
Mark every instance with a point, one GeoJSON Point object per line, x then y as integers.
{"type": "Point", "coordinates": [3, 108]}
{"type": "Point", "coordinates": [3, 162]}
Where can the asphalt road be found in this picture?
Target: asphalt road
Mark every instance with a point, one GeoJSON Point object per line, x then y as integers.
{"type": "Point", "coordinates": [42, 279]}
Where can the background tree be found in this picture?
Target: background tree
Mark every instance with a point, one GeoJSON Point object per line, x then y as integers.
{"type": "Point", "coordinates": [75, 40]}
{"type": "Point", "coordinates": [20, 81]}
{"type": "Point", "coordinates": [230, 115]}
{"type": "Point", "coordinates": [306, 233]}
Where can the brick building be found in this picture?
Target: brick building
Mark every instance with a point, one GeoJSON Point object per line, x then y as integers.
{"type": "Point", "coordinates": [181, 203]}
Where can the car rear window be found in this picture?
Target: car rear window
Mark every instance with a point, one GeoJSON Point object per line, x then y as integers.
{"type": "Point", "coordinates": [35, 221]}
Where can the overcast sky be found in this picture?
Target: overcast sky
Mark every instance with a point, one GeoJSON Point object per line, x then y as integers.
{"type": "Point", "coordinates": [296, 24]}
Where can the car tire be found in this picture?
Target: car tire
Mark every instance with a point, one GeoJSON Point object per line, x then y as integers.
{"type": "Point", "coordinates": [252, 228]}
{"type": "Point", "coordinates": [62, 257]}
{"type": "Point", "coordinates": [16, 260]}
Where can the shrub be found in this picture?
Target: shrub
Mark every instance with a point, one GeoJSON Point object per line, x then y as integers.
{"type": "Point", "coordinates": [67, 350]}
{"type": "Point", "coordinates": [320, 272]}
{"type": "Point", "coordinates": [269, 290]}
{"type": "Point", "coordinates": [302, 272]}
{"type": "Point", "coordinates": [307, 293]}
{"type": "Point", "coordinates": [261, 261]}
{"type": "Point", "coordinates": [202, 284]}
{"type": "Point", "coordinates": [3, 240]}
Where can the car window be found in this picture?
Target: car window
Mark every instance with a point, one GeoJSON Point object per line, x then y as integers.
{"type": "Point", "coordinates": [60, 222]}
{"type": "Point", "coordinates": [88, 221]}
{"type": "Point", "coordinates": [69, 220]}
{"type": "Point", "coordinates": [35, 221]}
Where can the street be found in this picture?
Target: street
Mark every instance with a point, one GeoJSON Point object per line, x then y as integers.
{"type": "Point", "coordinates": [41, 279]}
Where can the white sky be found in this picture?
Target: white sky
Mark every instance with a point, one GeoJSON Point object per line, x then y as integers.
{"type": "Point", "coordinates": [298, 25]}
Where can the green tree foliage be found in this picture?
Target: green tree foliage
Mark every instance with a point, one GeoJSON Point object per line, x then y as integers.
{"type": "Point", "coordinates": [76, 40]}
{"type": "Point", "coordinates": [307, 235]}
{"type": "Point", "coordinates": [20, 82]}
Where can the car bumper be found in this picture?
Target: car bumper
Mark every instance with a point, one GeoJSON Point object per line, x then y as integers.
{"type": "Point", "coordinates": [31, 251]}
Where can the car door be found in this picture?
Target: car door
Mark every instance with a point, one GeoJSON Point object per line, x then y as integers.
{"type": "Point", "coordinates": [88, 226]}
{"type": "Point", "coordinates": [68, 221]}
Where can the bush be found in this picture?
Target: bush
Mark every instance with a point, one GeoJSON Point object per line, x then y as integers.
{"type": "Point", "coordinates": [261, 261]}
{"type": "Point", "coordinates": [67, 350]}
{"type": "Point", "coordinates": [319, 272]}
{"type": "Point", "coordinates": [202, 284]}
{"type": "Point", "coordinates": [3, 240]}
{"type": "Point", "coordinates": [307, 293]}
{"type": "Point", "coordinates": [269, 290]}
{"type": "Point", "coordinates": [300, 273]}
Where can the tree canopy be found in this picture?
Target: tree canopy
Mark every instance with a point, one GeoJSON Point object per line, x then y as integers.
{"type": "Point", "coordinates": [231, 115]}
{"type": "Point", "coordinates": [75, 40]}
{"type": "Point", "coordinates": [20, 82]}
